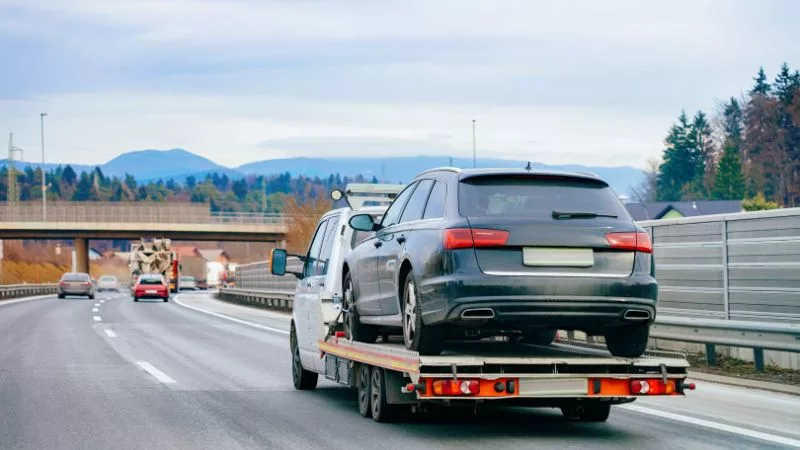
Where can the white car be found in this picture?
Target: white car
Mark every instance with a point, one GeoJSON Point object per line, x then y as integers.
{"type": "Point", "coordinates": [108, 283]}
{"type": "Point", "coordinates": [318, 295]}
{"type": "Point", "coordinates": [187, 283]}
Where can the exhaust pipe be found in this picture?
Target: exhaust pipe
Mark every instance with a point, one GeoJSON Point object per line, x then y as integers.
{"type": "Point", "coordinates": [636, 314]}
{"type": "Point", "coordinates": [478, 313]}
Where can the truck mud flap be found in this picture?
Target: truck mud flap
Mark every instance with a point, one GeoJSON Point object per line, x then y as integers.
{"type": "Point", "coordinates": [339, 370]}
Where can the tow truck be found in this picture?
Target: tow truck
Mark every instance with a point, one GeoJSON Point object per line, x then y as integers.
{"type": "Point", "coordinates": [583, 382]}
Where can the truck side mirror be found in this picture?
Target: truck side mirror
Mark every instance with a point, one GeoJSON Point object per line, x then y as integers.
{"type": "Point", "coordinates": [277, 265]}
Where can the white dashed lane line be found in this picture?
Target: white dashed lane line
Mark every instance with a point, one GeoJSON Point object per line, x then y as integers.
{"type": "Point", "coordinates": [155, 373]}
{"type": "Point", "coordinates": [97, 319]}
{"type": "Point", "coordinates": [95, 309]}
{"type": "Point", "coordinates": [110, 333]}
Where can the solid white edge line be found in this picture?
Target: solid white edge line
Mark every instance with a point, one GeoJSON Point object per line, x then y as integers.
{"type": "Point", "coordinates": [97, 304]}
{"type": "Point", "coordinates": [95, 309]}
{"type": "Point", "coordinates": [97, 319]}
{"type": "Point", "coordinates": [232, 319]}
{"type": "Point", "coordinates": [26, 299]}
{"type": "Point", "coordinates": [715, 426]}
{"type": "Point", "coordinates": [102, 301]}
{"type": "Point", "coordinates": [110, 333]}
{"type": "Point", "coordinates": [155, 373]}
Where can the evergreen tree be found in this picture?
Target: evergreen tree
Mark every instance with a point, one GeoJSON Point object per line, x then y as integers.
{"type": "Point", "coordinates": [761, 87]}
{"type": "Point", "coordinates": [729, 183]}
{"type": "Point", "coordinates": [678, 169]}
{"type": "Point", "coordinates": [191, 182]}
{"type": "Point", "coordinates": [83, 192]}
{"type": "Point", "coordinates": [69, 176]}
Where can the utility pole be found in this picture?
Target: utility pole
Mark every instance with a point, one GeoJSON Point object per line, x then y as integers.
{"type": "Point", "coordinates": [44, 182]}
{"type": "Point", "coordinates": [474, 153]}
{"type": "Point", "coordinates": [13, 195]}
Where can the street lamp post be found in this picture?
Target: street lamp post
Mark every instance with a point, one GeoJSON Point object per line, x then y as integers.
{"type": "Point", "coordinates": [44, 182]}
{"type": "Point", "coordinates": [474, 153]}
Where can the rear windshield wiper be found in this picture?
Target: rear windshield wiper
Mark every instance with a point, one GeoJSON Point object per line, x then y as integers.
{"type": "Point", "coordinates": [579, 215]}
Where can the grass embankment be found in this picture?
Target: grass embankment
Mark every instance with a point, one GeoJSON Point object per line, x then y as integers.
{"type": "Point", "coordinates": [733, 367]}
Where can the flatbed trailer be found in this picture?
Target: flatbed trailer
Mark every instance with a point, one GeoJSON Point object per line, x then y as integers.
{"type": "Point", "coordinates": [584, 383]}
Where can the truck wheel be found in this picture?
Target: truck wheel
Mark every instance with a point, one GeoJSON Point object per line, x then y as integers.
{"type": "Point", "coordinates": [587, 411]}
{"type": "Point", "coordinates": [382, 410]}
{"type": "Point", "coordinates": [425, 339]}
{"type": "Point", "coordinates": [629, 341]}
{"type": "Point", "coordinates": [353, 328]}
{"type": "Point", "coordinates": [364, 407]}
{"type": "Point", "coordinates": [539, 337]}
{"type": "Point", "coordinates": [302, 379]}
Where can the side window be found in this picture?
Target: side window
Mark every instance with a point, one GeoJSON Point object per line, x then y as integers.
{"type": "Point", "coordinates": [392, 215]}
{"type": "Point", "coordinates": [310, 268]}
{"type": "Point", "coordinates": [327, 245]}
{"type": "Point", "coordinates": [416, 203]}
{"type": "Point", "coordinates": [436, 202]}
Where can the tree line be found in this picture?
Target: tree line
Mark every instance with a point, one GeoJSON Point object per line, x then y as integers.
{"type": "Point", "coordinates": [749, 150]}
{"type": "Point", "coordinates": [256, 193]}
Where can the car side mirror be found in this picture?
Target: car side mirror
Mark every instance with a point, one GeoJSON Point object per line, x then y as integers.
{"type": "Point", "coordinates": [363, 222]}
{"type": "Point", "coordinates": [278, 261]}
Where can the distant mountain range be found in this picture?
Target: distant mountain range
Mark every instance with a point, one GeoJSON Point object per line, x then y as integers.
{"type": "Point", "coordinates": [178, 164]}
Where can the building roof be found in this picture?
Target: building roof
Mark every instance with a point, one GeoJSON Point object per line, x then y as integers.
{"type": "Point", "coordinates": [657, 210]}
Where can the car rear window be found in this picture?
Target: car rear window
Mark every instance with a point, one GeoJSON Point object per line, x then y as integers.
{"type": "Point", "coordinates": [150, 280]}
{"type": "Point", "coordinates": [108, 278]}
{"type": "Point", "coordinates": [187, 278]}
{"type": "Point", "coordinates": [535, 197]}
{"type": "Point", "coordinates": [75, 277]}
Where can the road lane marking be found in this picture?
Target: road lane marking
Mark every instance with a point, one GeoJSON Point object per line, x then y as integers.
{"type": "Point", "coordinates": [97, 319]}
{"type": "Point", "coordinates": [110, 333]}
{"type": "Point", "coordinates": [715, 426]}
{"type": "Point", "coordinates": [102, 301]}
{"type": "Point", "coordinates": [95, 309]}
{"type": "Point", "coordinates": [97, 304]}
{"type": "Point", "coordinates": [26, 299]}
{"type": "Point", "coordinates": [155, 373]}
{"type": "Point", "coordinates": [232, 319]}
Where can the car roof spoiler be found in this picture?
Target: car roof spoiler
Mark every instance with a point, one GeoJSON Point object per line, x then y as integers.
{"type": "Point", "coordinates": [361, 195]}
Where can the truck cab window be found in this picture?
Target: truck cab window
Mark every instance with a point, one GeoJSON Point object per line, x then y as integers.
{"type": "Point", "coordinates": [310, 267]}
{"type": "Point", "coordinates": [327, 245]}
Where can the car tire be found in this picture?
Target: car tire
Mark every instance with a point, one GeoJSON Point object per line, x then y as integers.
{"type": "Point", "coordinates": [363, 384]}
{"type": "Point", "coordinates": [628, 341]}
{"type": "Point", "coordinates": [594, 411]}
{"type": "Point", "coordinates": [302, 379]}
{"type": "Point", "coordinates": [166, 299]}
{"type": "Point", "coordinates": [62, 296]}
{"type": "Point", "coordinates": [380, 408]}
{"type": "Point", "coordinates": [539, 337]}
{"type": "Point", "coordinates": [136, 299]}
{"type": "Point", "coordinates": [353, 328]}
{"type": "Point", "coordinates": [425, 339]}
{"type": "Point", "coordinates": [91, 297]}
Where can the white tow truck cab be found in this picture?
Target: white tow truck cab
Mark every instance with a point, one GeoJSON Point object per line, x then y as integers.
{"type": "Point", "coordinates": [583, 382]}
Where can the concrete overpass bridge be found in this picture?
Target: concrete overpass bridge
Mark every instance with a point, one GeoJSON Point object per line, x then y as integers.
{"type": "Point", "coordinates": [84, 221]}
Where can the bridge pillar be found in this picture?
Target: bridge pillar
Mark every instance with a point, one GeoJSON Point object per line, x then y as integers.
{"type": "Point", "coordinates": [82, 254]}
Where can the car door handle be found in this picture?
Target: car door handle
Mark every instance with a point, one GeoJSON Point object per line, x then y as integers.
{"type": "Point", "coordinates": [378, 244]}
{"type": "Point", "coordinates": [401, 239]}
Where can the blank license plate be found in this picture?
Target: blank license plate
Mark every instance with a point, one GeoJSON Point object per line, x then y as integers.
{"type": "Point", "coordinates": [151, 292]}
{"type": "Point", "coordinates": [557, 257]}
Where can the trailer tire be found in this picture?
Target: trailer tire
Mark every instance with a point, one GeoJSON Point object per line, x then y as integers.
{"type": "Point", "coordinates": [425, 339]}
{"type": "Point", "coordinates": [302, 379]}
{"type": "Point", "coordinates": [629, 341]}
{"type": "Point", "coordinates": [364, 382]}
{"type": "Point", "coordinates": [353, 328]}
{"type": "Point", "coordinates": [381, 409]}
{"type": "Point", "coordinates": [587, 411]}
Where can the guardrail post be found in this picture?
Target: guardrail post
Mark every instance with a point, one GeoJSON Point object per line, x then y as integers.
{"type": "Point", "coordinates": [711, 354]}
{"type": "Point", "coordinates": [725, 277]}
{"type": "Point", "coordinates": [758, 359]}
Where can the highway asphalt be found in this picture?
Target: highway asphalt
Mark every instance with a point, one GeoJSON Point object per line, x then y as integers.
{"type": "Point", "coordinates": [197, 373]}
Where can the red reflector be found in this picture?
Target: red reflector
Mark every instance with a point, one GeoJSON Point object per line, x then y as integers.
{"type": "Point", "coordinates": [340, 334]}
{"type": "Point", "coordinates": [410, 387]}
{"type": "Point", "coordinates": [639, 242]}
{"type": "Point", "coordinates": [455, 238]}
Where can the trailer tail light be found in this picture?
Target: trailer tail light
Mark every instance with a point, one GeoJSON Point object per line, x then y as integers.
{"type": "Point", "coordinates": [455, 238]}
{"type": "Point", "coordinates": [652, 387]}
{"type": "Point", "coordinates": [452, 388]}
{"type": "Point", "coordinates": [638, 242]}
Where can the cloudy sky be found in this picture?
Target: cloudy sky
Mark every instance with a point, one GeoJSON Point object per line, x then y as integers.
{"type": "Point", "coordinates": [592, 82]}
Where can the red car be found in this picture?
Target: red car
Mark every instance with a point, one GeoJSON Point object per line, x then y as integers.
{"type": "Point", "coordinates": [151, 286]}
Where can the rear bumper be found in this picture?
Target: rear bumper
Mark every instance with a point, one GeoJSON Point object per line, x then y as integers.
{"type": "Point", "coordinates": [518, 302]}
{"type": "Point", "coordinates": [63, 291]}
{"type": "Point", "coordinates": [166, 295]}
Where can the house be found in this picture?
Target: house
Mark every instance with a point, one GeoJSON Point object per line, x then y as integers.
{"type": "Point", "coordinates": [676, 210]}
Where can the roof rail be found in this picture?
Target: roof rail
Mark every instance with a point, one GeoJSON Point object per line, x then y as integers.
{"type": "Point", "coordinates": [360, 195]}
{"type": "Point", "coordinates": [440, 169]}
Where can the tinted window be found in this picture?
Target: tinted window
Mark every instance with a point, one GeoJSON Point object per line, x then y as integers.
{"type": "Point", "coordinates": [313, 252]}
{"type": "Point", "coordinates": [436, 201]}
{"type": "Point", "coordinates": [108, 278]}
{"type": "Point", "coordinates": [75, 277]}
{"type": "Point", "coordinates": [535, 197]}
{"type": "Point", "coordinates": [327, 245]}
{"type": "Point", "coordinates": [187, 278]}
{"type": "Point", "coordinates": [392, 215]}
{"type": "Point", "coordinates": [151, 280]}
{"type": "Point", "coordinates": [416, 203]}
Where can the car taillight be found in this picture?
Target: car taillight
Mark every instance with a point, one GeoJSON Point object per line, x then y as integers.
{"type": "Point", "coordinates": [638, 242]}
{"type": "Point", "coordinates": [87, 283]}
{"type": "Point", "coordinates": [455, 238]}
{"type": "Point", "coordinates": [452, 388]}
{"type": "Point", "coordinates": [652, 387]}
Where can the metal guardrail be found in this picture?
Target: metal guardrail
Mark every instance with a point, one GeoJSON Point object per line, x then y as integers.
{"type": "Point", "coordinates": [274, 300]}
{"type": "Point", "coordinates": [25, 290]}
